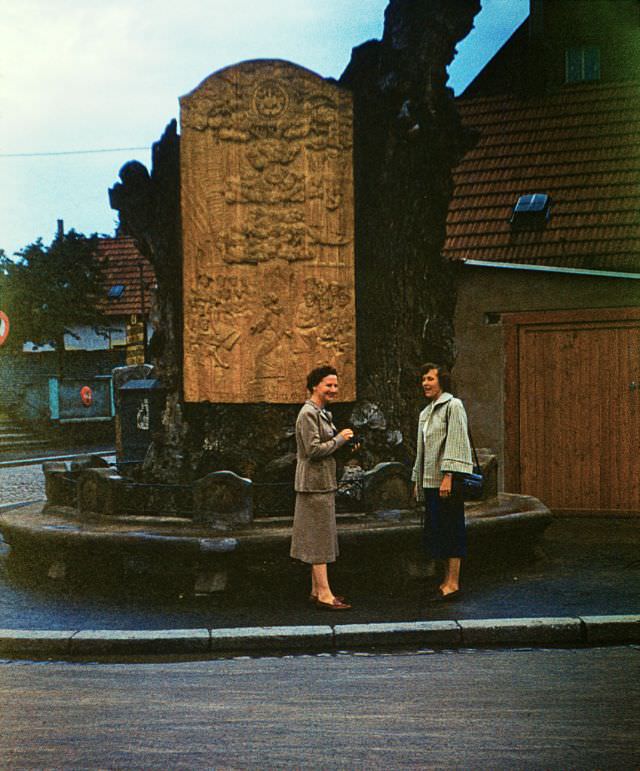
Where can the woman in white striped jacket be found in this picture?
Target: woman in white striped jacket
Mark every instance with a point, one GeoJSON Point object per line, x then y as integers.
{"type": "Point", "coordinates": [442, 451]}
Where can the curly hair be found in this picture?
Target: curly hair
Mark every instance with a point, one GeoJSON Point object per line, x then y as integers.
{"type": "Point", "coordinates": [318, 374]}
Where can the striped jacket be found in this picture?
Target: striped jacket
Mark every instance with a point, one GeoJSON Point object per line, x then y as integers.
{"type": "Point", "coordinates": [443, 442]}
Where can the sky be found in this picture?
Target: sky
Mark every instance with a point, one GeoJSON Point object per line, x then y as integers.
{"type": "Point", "coordinates": [80, 79]}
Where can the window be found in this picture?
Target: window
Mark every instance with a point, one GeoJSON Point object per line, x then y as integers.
{"type": "Point", "coordinates": [531, 211]}
{"type": "Point", "coordinates": [116, 291]}
{"type": "Point", "coordinates": [582, 64]}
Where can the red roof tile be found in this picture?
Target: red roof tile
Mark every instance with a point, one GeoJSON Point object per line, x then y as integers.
{"type": "Point", "coordinates": [121, 264]}
{"type": "Point", "coordinates": [581, 146]}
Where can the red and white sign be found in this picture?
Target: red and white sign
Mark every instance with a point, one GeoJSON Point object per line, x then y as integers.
{"type": "Point", "coordinates": [4, 327]}
{"type": "Point", "coordinates": [86, 395]}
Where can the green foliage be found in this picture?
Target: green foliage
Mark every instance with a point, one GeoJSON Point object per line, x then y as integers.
{"type": "Point", "coordinates": [49, 289]}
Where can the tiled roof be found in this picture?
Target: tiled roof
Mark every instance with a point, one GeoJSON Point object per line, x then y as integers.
{"type": "Point", "coordinates": [581, 146]}
{"type": "Point", "coordinates": [121, 262]}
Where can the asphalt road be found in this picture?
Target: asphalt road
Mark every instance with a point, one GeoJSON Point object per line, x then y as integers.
{"type": "Point", "coordinates": [543, 709]}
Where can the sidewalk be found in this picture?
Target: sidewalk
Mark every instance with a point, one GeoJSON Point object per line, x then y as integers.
{"type": "Point", "coordinates": [582, 588]}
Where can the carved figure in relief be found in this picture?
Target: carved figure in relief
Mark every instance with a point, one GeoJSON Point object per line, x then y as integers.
{"type": "Point", "coordinates": [323, 318]}
{"type": "Point", "coordinates": [217, 307]}
{"type": "Point", "coordinates": [306, 325]}
{"type": "Point", "coordinates": [223, 337]}
{"type": "Point", "coordinates": [211, 335]}
{"type": "Point", "coordinates": [272, 331]}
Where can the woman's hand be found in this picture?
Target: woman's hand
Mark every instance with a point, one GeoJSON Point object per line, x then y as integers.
{"type": "Point", "coordinates": [415, 491]}
{"type": "Point", "coordinates": [347, 433]}
{"type": "Point", "coordinates": [446, 485]}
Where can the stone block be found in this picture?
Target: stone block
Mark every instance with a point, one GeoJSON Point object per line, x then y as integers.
{"type": "Point", "coordinates": [612, 629]}
{"type": "Point", "coordinates": [222, 500]}
{"type": "Point", "coordinates": [59, 487]}
{"type": "Point", "coordinates": [521, 631]}
{"type": "Point", "coordinates": [411, 633]}
{"type": "Point", "coordinates": [155, 641]}
{"type": "Point", "coordinates": [83, 462]}
{"type": "Point", "coordinates": [26, 643]}
{"type": "Point", "coordinates": [386, 486]}
{"type": "Point", "coordinates": [489, 467]}
{"type": "Point", "coordinates": [97, 491]}
{"type": "Point", "coordinates": [269, 638]}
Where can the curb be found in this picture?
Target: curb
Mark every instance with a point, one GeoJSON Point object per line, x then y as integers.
{"type": "Point", "coordinates": [476, 633]}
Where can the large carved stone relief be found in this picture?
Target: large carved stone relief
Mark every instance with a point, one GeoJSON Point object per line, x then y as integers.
{"type": "Point", "coordinates": [267, 212]}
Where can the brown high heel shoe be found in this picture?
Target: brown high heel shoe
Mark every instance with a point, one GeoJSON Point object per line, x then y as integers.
{"type": "Point", "coordinates": [314, 598]}
{"type": "Point", "coordinates": [337, 604]}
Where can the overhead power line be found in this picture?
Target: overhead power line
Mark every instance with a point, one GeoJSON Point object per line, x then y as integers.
{"type": "Point", "coordinates": [73, 152]}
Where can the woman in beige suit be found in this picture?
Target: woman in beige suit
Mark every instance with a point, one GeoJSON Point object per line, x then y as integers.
{"type": "Point", "coordinates": [314, 539]}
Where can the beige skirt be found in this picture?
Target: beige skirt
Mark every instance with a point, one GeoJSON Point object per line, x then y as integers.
{"type": "Point", "coordinates": [314, 538]}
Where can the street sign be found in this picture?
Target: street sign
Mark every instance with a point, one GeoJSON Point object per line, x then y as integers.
{"type": "Point", "coordinates": [86, 395]}
{"type": "Point", "coordinates": [4, 327]}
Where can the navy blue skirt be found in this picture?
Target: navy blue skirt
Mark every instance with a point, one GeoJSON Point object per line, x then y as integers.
{"type": "Point", "coordinates": [444, 533]}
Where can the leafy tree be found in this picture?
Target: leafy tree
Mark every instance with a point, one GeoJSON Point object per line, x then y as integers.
{"type": "Point", "coordinates": [49, 289]}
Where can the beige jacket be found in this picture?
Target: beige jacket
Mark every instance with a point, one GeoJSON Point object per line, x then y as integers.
{"type": "Point", "coordinates": [443, 442]}
{"type": "Point", "coordinates": [316, 440]}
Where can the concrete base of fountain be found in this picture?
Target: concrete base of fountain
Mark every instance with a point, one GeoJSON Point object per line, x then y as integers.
{"type": "Point", "coordinates": [54, 540]}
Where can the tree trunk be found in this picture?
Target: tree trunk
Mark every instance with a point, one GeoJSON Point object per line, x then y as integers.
{"type": "Point", "coordinates": [407, 139]}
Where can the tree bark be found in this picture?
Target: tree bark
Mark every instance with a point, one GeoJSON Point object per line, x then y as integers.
{"type": "Point", "coordinates": [408, 138]}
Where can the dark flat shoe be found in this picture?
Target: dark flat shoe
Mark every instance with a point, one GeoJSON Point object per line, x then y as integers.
{"type": "Point", "coordinates": [335, 605]}
{"type": "Point", "coordinates": [450, 597]}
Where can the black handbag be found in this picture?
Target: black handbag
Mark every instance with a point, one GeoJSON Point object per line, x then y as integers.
{"type": "Point", "coordinates": [472, 484]}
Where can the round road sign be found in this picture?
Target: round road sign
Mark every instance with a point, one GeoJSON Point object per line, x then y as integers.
{"type": "Point", "coordinates": [4, 327]}
{"type": "Point", "coordinates": [86, 395]}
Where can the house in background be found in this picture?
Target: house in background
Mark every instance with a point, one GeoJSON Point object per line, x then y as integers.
{"type": "Point", "coordinates": [128, 279]}
{"type": "Point", "coordinates": [545, 227]}
{"type": "Point", "coordinates": [32, 387]}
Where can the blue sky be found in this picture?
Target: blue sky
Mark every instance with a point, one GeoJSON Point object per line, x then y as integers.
{"type": "Point", "coordinates": [90, 75]}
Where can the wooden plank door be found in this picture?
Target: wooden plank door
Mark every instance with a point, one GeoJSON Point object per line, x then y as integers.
{"type": "Point", "coordinates": [573, 409]}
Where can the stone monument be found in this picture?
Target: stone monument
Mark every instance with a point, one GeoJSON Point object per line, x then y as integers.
{"type": "Point", "coordinates": [248, 219]}
{"type": "Point", "coordinates": [267, 232]}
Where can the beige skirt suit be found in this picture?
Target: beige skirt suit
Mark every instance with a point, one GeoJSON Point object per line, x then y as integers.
{"type": "Point", "coordinates": [314, 538]}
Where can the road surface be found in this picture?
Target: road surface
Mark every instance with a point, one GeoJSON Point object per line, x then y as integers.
{"type": "Point", "coordinates": [542, 709]}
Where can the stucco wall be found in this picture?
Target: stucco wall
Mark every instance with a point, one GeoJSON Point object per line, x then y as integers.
{"type": "Point", "coordinates": [486, 293]}
{"type": "Point", "coordinates": [18, 371]}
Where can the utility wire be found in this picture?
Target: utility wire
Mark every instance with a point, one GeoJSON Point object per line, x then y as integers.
{"type": "Point", "coordinates": [72, 152]}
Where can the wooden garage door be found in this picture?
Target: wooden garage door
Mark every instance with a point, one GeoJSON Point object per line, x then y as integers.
{"type": "Point", "coordinates": [572, 412]}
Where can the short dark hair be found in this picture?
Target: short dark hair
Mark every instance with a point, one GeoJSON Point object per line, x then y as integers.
{"type": "Point", "coordinates": [444, 375]}
{"type": "Point", "coordinates": [318, 374]}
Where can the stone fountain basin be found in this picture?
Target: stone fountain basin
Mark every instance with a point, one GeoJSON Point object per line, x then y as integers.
{"type": "Point", "coordinates": [53, 539]}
